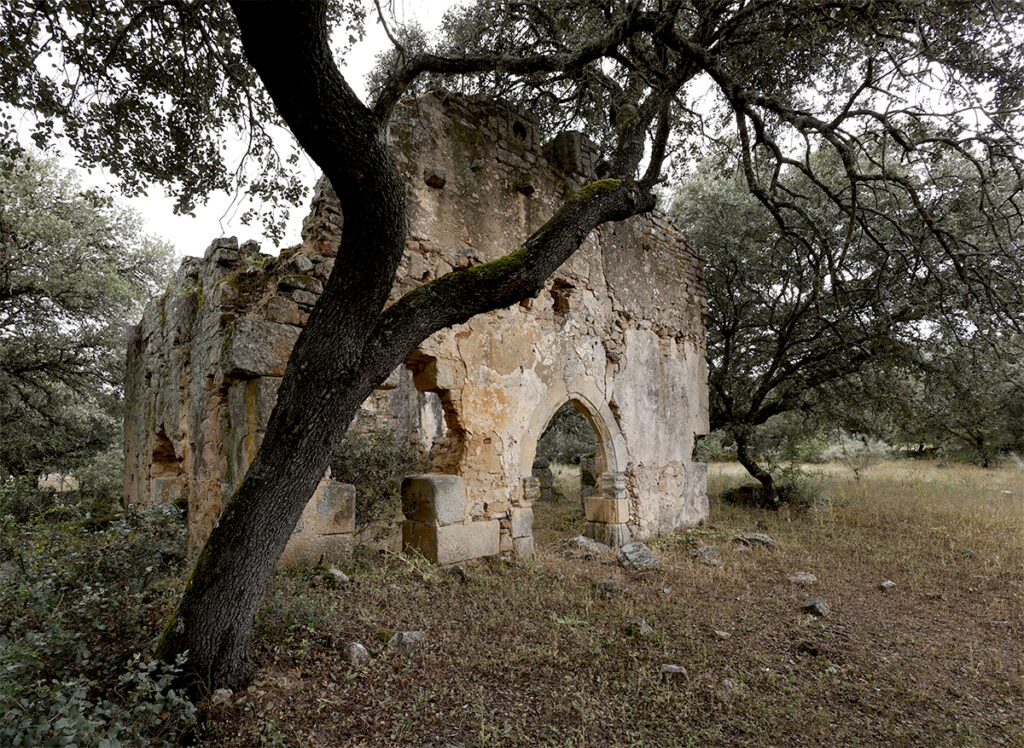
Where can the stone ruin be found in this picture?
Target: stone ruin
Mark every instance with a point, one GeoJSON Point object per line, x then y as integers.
{"type": "Point", "coordinates": [617, 331]}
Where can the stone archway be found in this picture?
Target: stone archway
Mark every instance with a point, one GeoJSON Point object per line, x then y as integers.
{"type": "Point", "coordinates": [607, 510]}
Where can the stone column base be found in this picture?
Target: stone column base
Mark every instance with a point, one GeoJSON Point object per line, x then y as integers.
{"type": "Point", "coordinates": [614, 534]}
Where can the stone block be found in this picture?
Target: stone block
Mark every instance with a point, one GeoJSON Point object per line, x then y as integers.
{"type": "Point", "coordinates": [256, 348]}
{"type": "Point", "coordinates": [600, 509]}
{"type": "Point", "coordinates": [434, 497]}
{"type": "Point", "coordinates": [250, 402]}
{"type": "Point", "coordinates": [435, 376]}
{"type": "Point", "coordinates": [523, 547]}
{"type": "Point", "coordinates": [453, 543]}
{"type": "Point", "coordinates": [522, 522]}
{"type": "Point", "coordinates": [284, 311]}
{"type": "Point", "coordinates": [225, 242]}
{"type": "Point", "coordinates": [296, 282]}
{"type": "Point", "coordinates": [612, 485]}
{"type": "Point", "coordinates": [457, 543]}
{"type": "Point", "coordinates": [531, 491]}
{"type": "Point", "coordinates": [335, 505]}
{"type": "Point", "coordinates": [420, 537]}
{"type": "Point", "coordinates": [308, 549]}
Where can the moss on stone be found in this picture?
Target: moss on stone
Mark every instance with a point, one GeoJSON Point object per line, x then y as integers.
{"type": "Point", "coordinates": [598, 187]}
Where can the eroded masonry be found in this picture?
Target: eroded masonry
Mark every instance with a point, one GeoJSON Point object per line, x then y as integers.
{"type": "Point", "coordinates": [617, 331]}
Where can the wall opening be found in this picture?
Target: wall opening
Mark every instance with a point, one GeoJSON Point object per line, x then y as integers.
{"type": "Point", "coordinates": [566, 467]}
{"type": "Point", "coordinates": [166, 476]}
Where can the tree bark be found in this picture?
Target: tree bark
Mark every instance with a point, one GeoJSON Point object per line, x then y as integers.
{"type": "Point", "coordinates": [770, 495]}
{"type": "Point", "coordinates": [350, 343]}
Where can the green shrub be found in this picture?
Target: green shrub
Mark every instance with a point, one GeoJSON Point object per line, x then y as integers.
{"type": "Point", "coordinates": [375, 462]}
{"type": "Point", "coordinates": [77, 605]}
{"type": "Point", "coordinates": [798, 487]}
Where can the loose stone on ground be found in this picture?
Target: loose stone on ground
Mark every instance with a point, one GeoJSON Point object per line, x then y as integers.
{"type": "Point", "coordinates": [674, 672]}
{"type": "Point", "coordinates": [706, 554]}
{"type": "Point", "coordinates": [802, 578]}
{"type": "Point", "coordinates": [754, 538]}
{"type": "Point", "coordinates": [637, 557]}
{"type": "Point", "coordinates": [355, 653]}
{"type": "Point", "coordinates": [407, 642]}
{"type": "Point", "coordinates": [815, 606]}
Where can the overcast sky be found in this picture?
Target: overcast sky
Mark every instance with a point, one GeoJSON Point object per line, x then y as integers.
{"type": "Point", "coordinates": [190, 236]}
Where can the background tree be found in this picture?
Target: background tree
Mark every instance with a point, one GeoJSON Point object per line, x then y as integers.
{"type": "Point", "coordinates": [74, 270]}
{"type": "Point", "coordinates": [968, 397]}
{"type": "Point", "coordinates": [785, 77]}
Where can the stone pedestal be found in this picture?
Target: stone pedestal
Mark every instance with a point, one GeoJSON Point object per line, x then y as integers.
{"type": "Point", "coordinates": [325, 533]}
{"type": "Point", "coordinates": [436, 524]}
{"type": "Point", "coordinates": [608, 512]}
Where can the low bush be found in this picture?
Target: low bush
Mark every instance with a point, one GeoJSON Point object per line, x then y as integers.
{"type": "Point", "coordinates": [77, 606]}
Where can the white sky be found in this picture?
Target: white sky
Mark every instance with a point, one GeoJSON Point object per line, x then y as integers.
{"type": "Point", "coordinates": [191, 236]}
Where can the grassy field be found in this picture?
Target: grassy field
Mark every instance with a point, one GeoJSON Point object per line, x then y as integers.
{"type": "Point", "coordinates": [548, 653]}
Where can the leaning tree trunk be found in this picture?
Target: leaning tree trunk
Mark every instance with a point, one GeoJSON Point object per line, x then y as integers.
{"type": "Point", "coordinates": [770, 493]}
{"type": "Point", "coordinates": [351, 342]}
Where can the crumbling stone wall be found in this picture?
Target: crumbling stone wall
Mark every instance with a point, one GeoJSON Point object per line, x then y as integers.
{"type": "Point", "coordinates": [618, 331]}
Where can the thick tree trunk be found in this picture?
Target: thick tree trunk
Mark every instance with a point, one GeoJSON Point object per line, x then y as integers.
{"type": "Point", "coordinates": [350, 342]}
{"type": "Point", "coordinates": [770, 494]}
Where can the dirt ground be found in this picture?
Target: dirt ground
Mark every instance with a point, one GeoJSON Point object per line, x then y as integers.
{"type": "Point", "coordinates": [551, 653]}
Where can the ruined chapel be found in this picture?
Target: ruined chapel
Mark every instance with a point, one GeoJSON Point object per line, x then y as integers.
{"type": "Point", "coordinates": [618, 332]}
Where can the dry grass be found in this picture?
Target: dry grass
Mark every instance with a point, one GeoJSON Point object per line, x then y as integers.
{"type": "Point", "coordinates": [541, 655]}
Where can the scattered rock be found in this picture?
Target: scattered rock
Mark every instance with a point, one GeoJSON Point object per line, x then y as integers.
{"type": "Point", "coordinates": [637, 557]}
{"type": "Point", "coordinates": [725, 691]}
{"type": "Point", "coordinates": [802, 578]}
{"type": "Point", "coordinates": [815, 605]}
{"type": "Point", "coordinates": [723, 635]}
{"type": "Point", "coordinates": [609, 587]}
{"type": "Point", "coordinates": [640, 628]}
{"type": "Point", "coordinates": [674, 672]}
{"type": "Point", "coordinates": [355, 653]}
{"type": "Point", "coordinates": [583, 543]}
{"type": "Point", "coordinates": [221, 696]}
{"type": "Point", "coordinates": [407, 642]}
{"type": "Point", "coordinates": [754, 538]}
{"type": "Point", "coordinates": [706, 554]}
{"type": "Point", "coordinates": [887, 585]}
{"type": "Point", "coordinates": [666, 590]}
{"type": "Point", "coordinates": [336, 576]}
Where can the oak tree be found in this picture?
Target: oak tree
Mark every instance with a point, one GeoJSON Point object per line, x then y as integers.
{"type": "Point", "coordinates": [150, 88]}
{"type": "Point", "coordinates": [75, 268]}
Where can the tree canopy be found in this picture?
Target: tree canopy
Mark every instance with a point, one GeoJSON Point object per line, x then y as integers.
{"type": "Point", "coordinates": [794, 328]}
{"type": "Point", "coordinates": [74, 269]}
{"type": "Point", "coordinates": [888, 89]}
